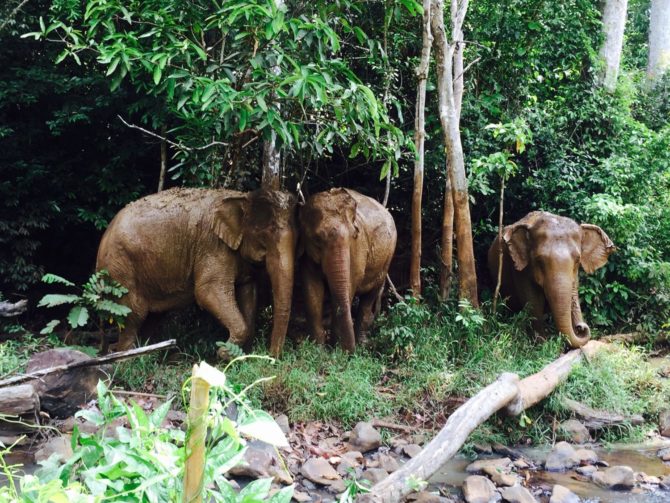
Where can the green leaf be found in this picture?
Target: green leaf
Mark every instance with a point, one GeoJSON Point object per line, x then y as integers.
{"type": "Point", "coordinates": [257, 490]}
{"type": "Point", "coordinates": [158, 415]}
{"type": "Point", "coordinates": [157, 74]}
{"type": "Point", "coordinates": [78, 316]}
{"type": "Point", "coordinates": [283, 496]}
{"type": "Point", "coordinates": [262, 426]}
{"type": "Point", "coordinates": [52, 278]}
{"type": "Point", "coordinates": [109, 306]}
{"type": "Point", "coordinates": [49, 328]}
{"type": "Point", "coordinates": [57, 299]}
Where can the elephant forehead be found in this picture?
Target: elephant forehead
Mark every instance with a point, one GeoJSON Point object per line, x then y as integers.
{"type": "Point", "coordinates": [555, 226]}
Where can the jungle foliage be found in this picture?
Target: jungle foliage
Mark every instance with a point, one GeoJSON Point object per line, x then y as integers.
{"type": "Point", "coordinates": [335, 81]}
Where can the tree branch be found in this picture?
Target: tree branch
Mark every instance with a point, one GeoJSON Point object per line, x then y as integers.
{"type": "Point", "coordinates": [12, 14]}
{"type": "Point", "coordinates": [180, 146]}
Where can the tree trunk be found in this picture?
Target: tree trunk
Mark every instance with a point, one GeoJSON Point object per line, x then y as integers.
{"type": "Point", "coordinates": [447, 245]}
{"type": "Point", "coordinates": [419, 138]}
{"type": "Point", "coordinates": [500, 244]}
{"type": "Point", "coordinates": [161, 177]}
{"type": "Point", "coordinates": [614, 22]}
{"type": "Point", "coordinates": [659, 39]}
{"type": "Point", "coordinates": [444, 52]}
{"type": "Point", "coordinates": [271, 159]}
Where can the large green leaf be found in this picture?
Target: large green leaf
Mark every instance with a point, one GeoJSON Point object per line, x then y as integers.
{"type": "Point", "coordinates": [57, 299]}
{"type": "Point", "coordinates": [78, 316]}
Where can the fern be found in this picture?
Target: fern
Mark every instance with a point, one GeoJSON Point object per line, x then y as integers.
{"type": "Point", "coordinates": [53, 278]}
{"type": "Point", "coordinates": [57, 299]}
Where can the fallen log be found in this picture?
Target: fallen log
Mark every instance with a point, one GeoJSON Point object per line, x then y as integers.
{"type": "Point", "coordinates": [598, 419]}
{"type": "Point", "coordinates": [507, 392]}
{"type": "Point", "coordinates": [100, 360]}
{"type": "Point", "coordinates": [9, 309]}
{"type": "Point", "coordinates": [19, 410]}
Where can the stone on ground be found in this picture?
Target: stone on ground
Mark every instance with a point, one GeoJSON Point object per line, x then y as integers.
{"type": "Point", "coordinates": [427, 497]}
{"type": "Point", "coordinates": [500, 477]}
{"type": "Point", "coordinates": [61, 446]}
{"type": "Point", "coordinates": [478, 466]}
{"type": "Point", "coordinates": [411, 450]}
{"type": "Point", "coordinates": [664, 454]}
{"type": "Point", "coordinates": [479, 489]}
{"type": "Point", "coordinates": [586, 457]}
{"type": "Point", "coordinates": [375, 475]}
{"type": "Point", "coordinates": [364, 438]}
{"type": "Point", "coordinates": [561, 458]}
{"type": "Point", "coordinates": [562, 494]}
{"type": "Point", "coordinates": [616, 477]}
{"type": "Point", "coordinates": [282, 422]}
{"type": "Point", "coordinates": [517, 494]}
{"type": "Point", "coordinates": [587, 471]}
{"type": "Point", "coordinates": [388, 463]}
{"type": "Point", "coordinates": [64, 393]}
{"type": "Point", "coordinates": [318, 470]}
{"type": "Point", "coordinates": [574, 431]}
{"type": "Point", "coordinates": [664, 423]}
{"type": "Point", "coordinates": [260, 461]}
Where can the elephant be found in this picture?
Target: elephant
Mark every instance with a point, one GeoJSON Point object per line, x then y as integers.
{"type": "Point", "coordinates": [347, 241]}
{"type": "Point", "coordinates": [180, 245]}
{"type": "Point", "coordinates": [542, 253]}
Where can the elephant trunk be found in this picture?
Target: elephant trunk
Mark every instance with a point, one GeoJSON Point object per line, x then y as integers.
{"type": "Point", "coordinates": [562, 298]}
{"type": "Point", "coordinates": [337, 268]}
{"type": "Point", "coordinates": [280, 265]}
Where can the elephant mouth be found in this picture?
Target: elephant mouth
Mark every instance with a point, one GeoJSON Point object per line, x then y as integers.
{"type": "Point", "coordinates": [582, 330]}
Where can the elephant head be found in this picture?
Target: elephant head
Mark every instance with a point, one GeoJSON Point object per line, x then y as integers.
{"type": "Point", "coordinates": [553, 248]}
{"type": "Point", "coordinates": [261, 227]}
{"type": "Point", "coordinates": [329, 226]}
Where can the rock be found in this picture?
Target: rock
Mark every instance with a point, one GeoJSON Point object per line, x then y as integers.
{"type": "Point", "coordinates": [354, 457]}
{"type": "Point", "coordinates": [507, 452]}
{"type": "Point", "coordinates": [517, 494]}
{"type": "Point", "coordinates": [319, 470]}
{"type": "Point", "coordinates": [301, 497]}
{"type": "Point", "coordinates": [375, 475]}
{"type": "Point", "coordinates": [664, 423]}
{"type": "Point", "coordinates": [260, 461]}
{"type": "Point", "coordinates": [586, 457]}
{"type": "Point", "coordinates": [337, 486]}
{"type": "Point", "coordinates": [388, 463]}
{"type": "Point", "coordinates": [61, 446]}
{"type": "Point", "coordinates": [364, 438]}
{"type": "Point", "coordinates": [411, 450]}
{"type": "Point", "coordinates": [574, 431]}
{"type": "Point", "coordinates": [664, 454]}
{"type": "Point", "coordinates": [478, 466]}
{"type": "Point", "coordinates": [282, 422]}
{"type": "Point", "coordinates": [500, 477]}
{"type": "Point", "coordinates": [521, 464]}
{"type": "Point", "coordinates": [67, 425]}
{"type": "Point", "coordinates": [562, 494]}
{"type": "Point", "coordinates": [561, 458]}
{"type": "Point", "coordinates": [426, 497]}
{"type": "Point", "coordinates": [478, 489]}
{"type": "Point", "coordinates": [665, 482]}
{"type": "Point", "coordinates": [643, 478]}
{"type": "Point", "coordinates": [483, 448]}
{"type": "Point", "coordinates": [587, 471]}
{"type": "Point", "coordinates": [616, 477]}
{"type": "Point", "coordinates": [64, 393]}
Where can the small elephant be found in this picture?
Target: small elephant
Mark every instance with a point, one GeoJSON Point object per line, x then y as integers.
{"type": "Point", "coordinates": [542, 253]}
{"type": "Point", "coordinates": [348, 241]}
{"type": "Point", "coordinates": [180, 245]}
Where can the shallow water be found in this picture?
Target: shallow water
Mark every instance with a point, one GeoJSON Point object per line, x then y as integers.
{"type": "Point", "coordinates": [641, 458]}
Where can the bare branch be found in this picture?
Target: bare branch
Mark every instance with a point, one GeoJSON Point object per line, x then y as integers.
{"type": "Point", "coordinates": [12, 14]}
{"type": "Point", "coordinates": [180, 146]}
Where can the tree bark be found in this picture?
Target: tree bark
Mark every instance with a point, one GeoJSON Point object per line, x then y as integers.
{"type": "Point", "coordinates": [447, 244]}
{"type": "Point", "coordinates": [271, 178]}
{"type": "Point", "coordinates": [598, 419]}
{"type": "Point", "coordinates": [614, 22]}
{"type": "Point", "coordinates": [659, 40]}
{"type": "Point", "coordinates": [500, 244]}
{"type": "Point", "coordinates": [9, 309]}
{"type": "Point", "coordinates": [161, 177]}
{"type": "Point", "coordinates": [419, 139]}
{"type": "Point", "coordinates": [444, 53]}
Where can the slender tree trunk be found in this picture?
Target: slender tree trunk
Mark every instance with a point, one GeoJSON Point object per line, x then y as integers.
{"type": "Point", "coordinates": [419, 138]}
{"type": "Point", "coordinates": [659, 39]}
{"type": "Point", "coordinates": [444, 52]}
{"type": "Point", "coordinates": [271, 157]}
{"type": "Point", "coordinates": [614, 22]}
{"type": "Point", "coordinates": [500, 244]}
{"type": "Point", "coordinates": [161, 177]}
{"type": "Point", "coordinates": [447, 245]}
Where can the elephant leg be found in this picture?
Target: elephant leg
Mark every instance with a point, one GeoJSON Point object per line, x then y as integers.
{"type": "Point", "coordinates": [132, 324]}
{"type": "Point", "coordinates": [220, 301]}
{"type": "Point", "coordinates": [313, 292]}
{"type": "Point", "coordinates": [366, 314]}
{"type": "Point", "coordinates": [247, 300]}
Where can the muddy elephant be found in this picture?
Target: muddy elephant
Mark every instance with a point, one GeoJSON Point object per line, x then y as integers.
{"type": "Point", "coordinates": [542, 253]}
{"type": "Point", "coordinates": [181, 245]}
{"type": "Point", "coordinates": [348, 241]}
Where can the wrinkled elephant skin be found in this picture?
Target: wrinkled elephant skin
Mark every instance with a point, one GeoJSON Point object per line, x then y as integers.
{"type": "Point", "coordinates": [181, 245]}
{"type": "Point", "coordinates": [542, 253]}
{"type": "Point", "coordinates": [348, 241]}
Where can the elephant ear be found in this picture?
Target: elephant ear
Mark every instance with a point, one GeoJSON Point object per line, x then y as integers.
{"type": "Point", "coordinates": [596, 247]}
{"type": "Point", "coordinates": [518, 243]}
{"type": "Point", "coordinates": [351, 211]}
{"type": "Point", "coordinates": [228, 221]}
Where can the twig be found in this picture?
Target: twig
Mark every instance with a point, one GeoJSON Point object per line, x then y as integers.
{"type": "Point", "coordinates": [393, 289]}
{"type": "Point", "coordinates": [468, 67]}
{"type": "Point", "coordinates": [180, 146]}
{"type": "Point", "coordinates": [378, 423]}
{"type": "Point", "coordinates": [138, 393]}
{"type": "Point", "coordinates": [12, 14]}
{"type": "Point", "coordinates": [122, 355]}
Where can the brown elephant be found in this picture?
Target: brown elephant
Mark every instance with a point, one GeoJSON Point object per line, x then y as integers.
{"type": "Point", "coordinates": [181, 245]}
{"type": "Point", "coordinates": [542, 253]}
{"type": "Point", "coordinates": [348, 241]}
